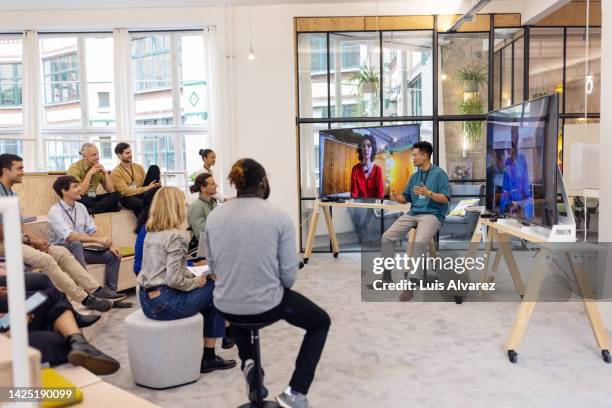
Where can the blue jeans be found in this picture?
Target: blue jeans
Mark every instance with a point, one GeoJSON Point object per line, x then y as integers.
{"type": "Point", "coordinates": [174, 304]}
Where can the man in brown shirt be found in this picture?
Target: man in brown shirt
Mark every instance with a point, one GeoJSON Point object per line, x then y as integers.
{"type": "Point", "coordinates": [130, 181]}
{"type": "Point", "coordinates": [90, 174]}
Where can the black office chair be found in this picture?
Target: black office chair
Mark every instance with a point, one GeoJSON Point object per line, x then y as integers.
{"type": "Point", "coordinates": [254, 329]}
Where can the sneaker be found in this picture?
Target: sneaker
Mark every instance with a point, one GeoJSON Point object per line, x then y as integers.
{"type": "Point", "coordinates": [249, 376]}
{"type": "Point", "coordinates": [292, 400]}
{"type": "Point", "coordinates": [106, 293]}
{"type": "Point", "coordinates": [87, 356]}
{"type": "Point", "coordinates": [122, 304]}
{"type": "Point", "coordinates": [218, 363]}
{"type": "Point", "coordinates": [99, 305]}
{"type": "Point", "coordinates": [228, 343]}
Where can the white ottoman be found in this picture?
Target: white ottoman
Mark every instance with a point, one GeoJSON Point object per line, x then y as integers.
{"type": "Point", "coordinates": [164, 354]}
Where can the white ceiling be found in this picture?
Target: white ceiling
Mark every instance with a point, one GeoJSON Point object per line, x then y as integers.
{"type": "Point", "coordinates": [97, 4]}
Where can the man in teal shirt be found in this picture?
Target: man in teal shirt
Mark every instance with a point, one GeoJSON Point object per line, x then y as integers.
{"type": "Point", "coordinates": [428, 192]}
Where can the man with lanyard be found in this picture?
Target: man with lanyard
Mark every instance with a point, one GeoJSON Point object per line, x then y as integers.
{"type": "Point", "coordinates": [71, 226]}
{"type": "Point", "coordinates": [55, 261]}
{"type": "Point", "coordinates": [90, 173]}
{"type": "Point", "coordinates": [428, 192]}
{"type": "Point", "coordinates": [130, 181]}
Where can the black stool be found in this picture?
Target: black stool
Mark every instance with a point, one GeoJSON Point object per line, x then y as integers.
{"type": "Point", "coordinates": [254, 329]}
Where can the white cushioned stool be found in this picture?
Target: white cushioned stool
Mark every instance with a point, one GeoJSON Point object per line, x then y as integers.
{"type": "Point", "coordinates": [164, 353]}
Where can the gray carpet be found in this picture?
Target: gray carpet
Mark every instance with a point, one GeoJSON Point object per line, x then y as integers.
{"type": "Point", "coordinates": [407, 354]}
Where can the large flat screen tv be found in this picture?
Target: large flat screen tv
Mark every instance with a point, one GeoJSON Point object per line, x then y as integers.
{"type": "Point", "coordinates": [522, 161]}
{"type": "Point", "coordinates": [367, 162]}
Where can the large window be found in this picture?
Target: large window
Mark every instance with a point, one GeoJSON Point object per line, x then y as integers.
{"type": "Point", "coordinates": [170, 98]}
{"type": "Point", "coordinates": [11, 85]}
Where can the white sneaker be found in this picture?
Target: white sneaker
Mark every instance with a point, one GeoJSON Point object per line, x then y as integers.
{"type": "Point", "coordinates": [292, 400]}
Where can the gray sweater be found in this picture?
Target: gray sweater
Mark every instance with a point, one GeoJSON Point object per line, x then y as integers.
{"type": "Point", "coordinates": [252, 250]}
{"type": "Point", "coordinates": [164, 261]}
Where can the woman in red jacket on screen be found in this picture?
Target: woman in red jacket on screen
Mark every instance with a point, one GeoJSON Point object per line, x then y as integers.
{"type": "Point", "coordinates": [366, 177]}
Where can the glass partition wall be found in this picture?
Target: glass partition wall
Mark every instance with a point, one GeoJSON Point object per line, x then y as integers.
{"type": "Point", "coordinates": [444, 81]}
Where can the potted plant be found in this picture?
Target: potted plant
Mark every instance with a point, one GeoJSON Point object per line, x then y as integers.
{"type": "Point", "coordinates": [366, 79]}
{"type": "Point", "coordinates": [472, 77]}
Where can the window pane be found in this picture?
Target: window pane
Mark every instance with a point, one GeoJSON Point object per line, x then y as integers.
{"type": "Point", "coordinates": [497, 61]}
{"type": "Point", "coordinates": [408, 71]}
{"type": "Point", "coordinates": [577, 69]}
{"type": "Point", "coordinates": [152, 83]}
{"type": "Point", "coordinates": [61, 96]}
{"type": "Point", "coordinates": [100, 78]}
{"type": "Point", "coordinates": [355, 87]}
{"type": "Point", "coordinates": [464, 145]}
{"type": "Point", "coordinates": [545, 61]}
{"type": "Point", "coordinates": [463, 73]}
{"type": "Point", "coordinates": [312, 72]}
{"type": "Point", "coordinates": [157, 149]}
{"type": "Point", "coordinates": [62, 151]}
{"type": "Point", "coordinates": [194, 91]}
{"type": "Point", "coordinates": [309, 158]}
{"type": "Point", "coordinates": [193, 161]}
{"type": "Point", "coordinates": [519, 67]}
{"type": "Point", "coordinates": [506, 80]}
{"type": "Point", "coordinates": [12, 146]}
{"type": "Point", "coordinates": [10, 81]}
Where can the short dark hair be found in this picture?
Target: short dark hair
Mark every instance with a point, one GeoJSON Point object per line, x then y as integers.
{"type": "Point", "coordinates": [372, 140]}
{"type": "Point", "coordinates": [6, 161]}
{"type": "Point", "coordinates": [205, 152]}
{"type": "Point", "coordinates": [199, 182]}
{"type": "Point", "coordinates": [63, 183]}
{"type": "Point", "coordinates": [121, 146]}
{"type": "Point", "coordinates": [424, 146]}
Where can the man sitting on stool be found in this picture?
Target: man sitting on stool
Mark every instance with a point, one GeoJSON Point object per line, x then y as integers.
{"type": "Point", "coordinates": [90, 173]}
{"type": "Point", "coordinates": [71, 226]}
{"type": "Point", "coordinates": [428, 191]}
{"type": "Point", "coordinates": [130, 180]}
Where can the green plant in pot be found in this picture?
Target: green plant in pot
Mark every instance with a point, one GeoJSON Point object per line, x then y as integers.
{"type": "Point", "coordinates": [366, 79]}
{"type": "Point", "coordinates": [472, 77]}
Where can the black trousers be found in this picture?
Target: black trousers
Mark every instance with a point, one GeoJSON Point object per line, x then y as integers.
{"type": "Point", "coordinates": [41, 335]}
{"type": "Point", "coordinates": [102, 203]}
{"type": "Point", "coordinates": [298, 311]}
{"type": "Point", "coordinates": [138, 202]}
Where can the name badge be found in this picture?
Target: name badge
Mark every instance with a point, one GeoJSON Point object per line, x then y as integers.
{"type": "Point", "coordinates": [91, 194]}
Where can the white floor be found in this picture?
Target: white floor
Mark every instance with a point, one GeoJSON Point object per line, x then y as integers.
{"type": "Point", "coordinates": [408, 354]}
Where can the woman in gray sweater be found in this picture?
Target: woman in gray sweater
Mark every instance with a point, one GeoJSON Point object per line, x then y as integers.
{"type": "Point", "coordinates": [168, 290]}
{"type": "Point", "coordinates": [252, 251]}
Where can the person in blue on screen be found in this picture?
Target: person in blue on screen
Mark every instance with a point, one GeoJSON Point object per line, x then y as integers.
{"type": "Point", "coordinates": [517, 197]}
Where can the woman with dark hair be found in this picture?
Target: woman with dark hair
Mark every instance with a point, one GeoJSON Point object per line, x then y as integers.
{"type": "Point", "coordinates": [252, 252]}
{"type": "Point", "coordinates": [366, 176]}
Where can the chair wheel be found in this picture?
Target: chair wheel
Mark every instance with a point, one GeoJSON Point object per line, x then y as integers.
{"type": "Point", "coordinates": [458, 299]}
{"type": "Point", "coordinates": [305, 261]}
{"type": "Point", "coordinates": [606, 356]}
{"type": "Point", "coordinates": [336, 254]}
{"type": "Point", "coordinates": [512, 356]}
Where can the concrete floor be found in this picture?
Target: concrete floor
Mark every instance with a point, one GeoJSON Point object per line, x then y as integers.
{"type": "Point", "coordinates": [407, 354]}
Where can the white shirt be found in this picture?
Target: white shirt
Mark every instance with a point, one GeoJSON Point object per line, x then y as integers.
{"type": "Point", "coordinates": [63, 220]}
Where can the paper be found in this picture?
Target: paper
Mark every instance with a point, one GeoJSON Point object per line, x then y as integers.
{"type": "Point", "coordinates": [199, 270]}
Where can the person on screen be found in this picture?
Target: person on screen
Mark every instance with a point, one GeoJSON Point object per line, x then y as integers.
{"type": "Point", "coordinates": [496, 174]}
{"type": "Point", "coordinates": [366, 176]}
{"type": "Point", "coordinates": [516, 198]}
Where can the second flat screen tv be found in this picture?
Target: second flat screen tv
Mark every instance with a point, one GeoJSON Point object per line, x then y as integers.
{"type": "Point", "coordinates": [367, 162]}
{"type": "Point", "coordinates": [522, 161]}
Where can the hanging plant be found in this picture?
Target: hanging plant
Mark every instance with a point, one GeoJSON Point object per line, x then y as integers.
{"type": "Point", "coordinates": [366, 79]}
{"type": "Point", "coordinates": [472, 129]}
{"type": "Point", "coordinates": [472, 77]}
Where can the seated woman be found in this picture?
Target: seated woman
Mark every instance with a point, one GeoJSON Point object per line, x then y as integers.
{"type": "Point", "coordinates": [252, 252]}
{"type": "Point", "coordinates": [168, 290]}
{"type": "Point", "coordinates": [199, 210]}
{"type": "Point", "coordinates": [54, 327]}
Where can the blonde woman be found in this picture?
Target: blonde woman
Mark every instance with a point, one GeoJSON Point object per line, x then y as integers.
{"type": "Point", "coordinates": [168, 290]}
